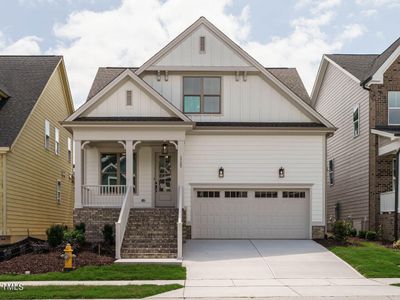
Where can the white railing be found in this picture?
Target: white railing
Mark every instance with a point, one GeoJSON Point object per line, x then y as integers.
{"type": "Point", "coordinates": [387, 202]}
{"type": "Point", "coordinates": [103, 195]}
{"type": "Point", "coordinates": [180, 233]}
{"type": "Point", "coordinates": [120, 225]}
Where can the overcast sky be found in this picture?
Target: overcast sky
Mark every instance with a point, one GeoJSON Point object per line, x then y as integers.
{"type": "Point", "coordinates": [94, 33]}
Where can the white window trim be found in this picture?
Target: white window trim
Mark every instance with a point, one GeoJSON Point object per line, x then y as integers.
{"type": "Point", "coordinates": [58, 191]}
{"type": "Point", "coordinates": [331, 171]}
{"type": "Point", "coordinates": [391, 108]}
{"type": "Point", "coordinates": [69, 141]}
{"type": "Point", "coordinates": [46, 134]}
{"type": "Point", "coordinates": [126, 98]}
{"type": "Point", "coordinates": [200, 50]}
{"type": "Point", "coordinates": [355, 108]}
{"type": "Point", "coordinates": [57, 149]}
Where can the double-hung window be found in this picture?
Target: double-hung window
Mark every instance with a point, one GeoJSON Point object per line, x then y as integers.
{"type": "Point", "coordinates": [113, 169]}
{"type": "Point", "coordinates": [69, 141]}
{"type": "Point", "coordinates": [57, 141]}
{"type": "Point", "coordinates": [356, 120]}
{"type": "Point", "coordinates": [58, 191]}
{"type": "Point", "coordinates": [202, 95]}
{"type": "Point", "coordinates": [331, 172]}
{"type": "Point", "coordinates": [394, 107]}
{"type": "Point", "coordinates": [46, 134]}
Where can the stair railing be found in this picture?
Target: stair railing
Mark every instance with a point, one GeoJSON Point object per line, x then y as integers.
{"type": "Point", "coordinates": [179, 225]}
{"type": "Point", "coordinates": [120, 225]}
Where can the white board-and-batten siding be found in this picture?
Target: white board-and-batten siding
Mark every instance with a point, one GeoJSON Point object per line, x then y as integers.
{"type": "Point", "coordinates": [255, 160]}
{"type": "Point", "coordinates": [338, 95]}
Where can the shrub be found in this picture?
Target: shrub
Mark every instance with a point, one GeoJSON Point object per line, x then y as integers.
{"type": "Point", "coordinates": [81, 227]}
{"type": "Point", "coordinates": [55, 235]}
{"type": "Point", "coordinates": [362, 234]}
{"type": "Point", "coordinates": [353, 232]}
{"type": "Point", "coordinates": [74, 237]}
{"type": "Point", "coordinates": [108, 234]}
{"type": "Point", "coordinates": [396, 244]}
{"type": "Point", "coordinates": [341, 230]}
{"type": "Point", "coordinates": [370, 235]}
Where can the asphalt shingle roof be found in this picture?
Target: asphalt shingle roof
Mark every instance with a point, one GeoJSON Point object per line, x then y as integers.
{"type": "Point", "coordinates": [23, 78]}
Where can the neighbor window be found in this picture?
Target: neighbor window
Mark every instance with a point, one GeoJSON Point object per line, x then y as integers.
{"type": "Point", "coordinates": [57, 141]}
{"type": "Point", "coordinates": [356, 121]}
{"type": "Point", "coordinates": [202, 44]}
{"type": "Point", "coordinates": [331, 172]}
{"type": "Point", "coordinates": [69, 141]}
{"type": "Point", "coordinates": [202, 95]}
{"type": "Point", "coordinates": [46, 134]}
{"type": "Point", "coordinates": [58, 191]}
{"type": "Point", "coordinates": [113, 169]}
{"type": "Point", "coordinates": [394, 107]}
{"type": "Point", "coordinates": [129, 98]}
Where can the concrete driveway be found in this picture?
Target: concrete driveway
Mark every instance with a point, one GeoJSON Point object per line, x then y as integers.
{"type": "Point", "coordinates": [262, 259]}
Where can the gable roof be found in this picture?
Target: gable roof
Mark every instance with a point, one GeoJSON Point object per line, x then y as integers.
{"type": "Point", "coordinates": [23, 79]}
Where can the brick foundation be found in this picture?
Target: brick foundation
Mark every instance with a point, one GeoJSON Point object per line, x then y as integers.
{"type": "Point", "coordinates": [387, 222]}
{"type": "Point", "coordinates": [318, 232]}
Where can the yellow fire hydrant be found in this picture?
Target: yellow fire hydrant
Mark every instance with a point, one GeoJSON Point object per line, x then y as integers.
{"type": "Point", "coordinates": [68, 258]}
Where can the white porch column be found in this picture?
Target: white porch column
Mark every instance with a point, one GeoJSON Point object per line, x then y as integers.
{"type": "Point", "coordinates": [78, 173]}
{"type": "Point", "coordinates": [129, 163]}
{"type": "Point", "coordinates": [181, 150]}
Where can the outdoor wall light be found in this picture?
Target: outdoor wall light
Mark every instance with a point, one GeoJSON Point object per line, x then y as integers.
{"type": "Point", "coordinates": [164, 149]}
{"type": "Point", "coordinates": [221, 172]}
{"type": "Point", "coordinates": [281, 172]}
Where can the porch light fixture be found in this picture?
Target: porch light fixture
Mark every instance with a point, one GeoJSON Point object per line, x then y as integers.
{"type": "Point", "coordinates": [221, 172]}
{"type": "Point", "coordinates": [164, 149]}
{"type": "Point", "coordinates": [281, 172]}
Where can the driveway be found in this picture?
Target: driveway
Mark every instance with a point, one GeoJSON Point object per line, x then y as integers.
{"type": "Point", "coordinates": [262, 259]}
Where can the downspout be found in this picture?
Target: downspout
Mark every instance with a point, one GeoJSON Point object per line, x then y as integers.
{"type": "Point", "coordinates": [396, 198]}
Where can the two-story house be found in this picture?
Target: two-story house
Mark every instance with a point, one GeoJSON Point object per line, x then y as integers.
{"type": "Point", "coordinates": [360, 95]}
{"type": "Point", "coordinates": [36, 177]}
{"type": "Point", "coordinates": [200, 142]}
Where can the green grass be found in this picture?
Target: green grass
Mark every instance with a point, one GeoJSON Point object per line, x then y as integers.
{"type": "Point", "coordinates": [371, 259]}
{"type": "Point", "coordinates": [109, 272]}
{"type": "Point", "coordinates": [88, 292]}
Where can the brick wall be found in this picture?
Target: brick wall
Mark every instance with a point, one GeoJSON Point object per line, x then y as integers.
{"type": "Point", "coordinates": [387, 222]}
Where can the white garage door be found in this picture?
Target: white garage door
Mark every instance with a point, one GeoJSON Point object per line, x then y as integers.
{"type": "Point", "coordinates": [244, 214]}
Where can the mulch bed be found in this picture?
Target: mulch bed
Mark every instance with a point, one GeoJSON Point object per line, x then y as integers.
{"type": "Point", "coordinates": [50, 262]}
{"type": "Point", "coordinates": [330, 242]}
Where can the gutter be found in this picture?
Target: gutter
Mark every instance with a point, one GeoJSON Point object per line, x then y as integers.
{"type": "Point", "coordinates": [363, 83]}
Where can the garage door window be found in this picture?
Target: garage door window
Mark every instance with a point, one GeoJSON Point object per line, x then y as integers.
{"type": "Point", "coordinates": [266, 194]}
{"type": "Point", "coordinates": [293, 194]}
{"type": "Point", "coordinates": [235, 194]}
{"type": "Point", "coordinates": [208, 194]}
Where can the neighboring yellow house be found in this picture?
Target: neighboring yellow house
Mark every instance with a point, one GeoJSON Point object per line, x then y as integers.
{"type": "Point", "coordinates": [36, 169]}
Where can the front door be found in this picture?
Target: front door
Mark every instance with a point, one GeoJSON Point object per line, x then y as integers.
{"type": "Point", "coordinates": [165, 180]}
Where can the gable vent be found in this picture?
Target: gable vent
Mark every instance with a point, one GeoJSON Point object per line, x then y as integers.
{"type": "Point", "coordinates": [202, 44]}
{"type": "Point", "coordinates": [129, 98]}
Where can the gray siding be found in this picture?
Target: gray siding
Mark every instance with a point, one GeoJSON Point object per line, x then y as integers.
{"type": "Point", "coordinates": [338, 95]}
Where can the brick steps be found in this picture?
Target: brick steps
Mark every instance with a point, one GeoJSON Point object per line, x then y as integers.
{"type": "Point", "coordinates": [151, 233]}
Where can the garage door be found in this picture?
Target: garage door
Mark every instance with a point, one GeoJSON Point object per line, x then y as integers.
{"type": "Point", "coordinates": [244, 214]}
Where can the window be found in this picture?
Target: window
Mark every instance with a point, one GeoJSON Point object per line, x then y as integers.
{"type": "Point", "coordinates": [202, 95]}
{"type": "Point", "coordinates": [202, 44]}
{"type": "Point", "coordinates": [208, 194]}
{"type": "Point", "coordinates": [394, 107]}
{"type": "Point", "coordinates": [58, 191]}
{"type": "Point", "coordinates": [113, 169]}
{"type": "Point", "coordinates": [331, 172]}
{"type": "Point", "coordinates": [57, 141]}
{"type": "Point", "coordinates": [266, 194]}
{"type": "Point", "coordinates": [235, 194]}
{"type": "Point", "coordinates": [128, 98]}
{"type": "Point", "coordinates": [69, 141]}
{"type": "Point", "coordinates": [46, 134]}
{"type": "Point", "coordinates": [293, 194]}
{"type": "Point", "coordinates": [356, 121]}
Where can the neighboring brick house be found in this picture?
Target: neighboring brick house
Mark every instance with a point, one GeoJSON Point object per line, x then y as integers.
{"type": "Point", "coordinates": [360, 95]}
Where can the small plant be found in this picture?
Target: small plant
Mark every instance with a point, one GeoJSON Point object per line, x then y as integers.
{"type": "Point", "coordinates": [108, 234]}
{"type": "Point", "coordinates": [80, 227]}
{"type": "Point", "coordinates": [341, 230]}
{"type": "Point", "coordinates": [396, 245]}
{"type": "Point", "coordinates": [74, 237]}
{"type": "Point", "coordinates": [371, 235]}
{"type": "Point", "coordinates": [353, 232]}
{"type": "Point", "coordinates": [55, 235]}
{"type": "Point", "coordinates": [362, 234]}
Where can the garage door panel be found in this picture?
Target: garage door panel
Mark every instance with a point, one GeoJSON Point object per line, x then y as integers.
{"type": "Point", "coordinates": [236, 218]}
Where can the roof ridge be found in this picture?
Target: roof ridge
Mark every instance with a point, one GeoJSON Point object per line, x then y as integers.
{"type": "Point", "coordinates": [355, 54]}
{"type": "Point", "coordinates": [119, 67]}
{"type": "Point", "coordinates": [28, 55]}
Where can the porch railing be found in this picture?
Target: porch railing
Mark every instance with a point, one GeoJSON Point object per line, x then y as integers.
{"type": "Point", "coordinates": [180, 225]}
{"type": "Point", "coordinates": [387, 202]}
{"type": "Point", "coordinates": [103, 195]}
{"type": "Point", "coordinates": [120, 225]}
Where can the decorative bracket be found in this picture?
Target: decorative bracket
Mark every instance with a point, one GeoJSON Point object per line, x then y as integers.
{"type": "Point", "coordinates": [84, 144]}
{"type": "Point", "coordinates": [135, 144]}
{"type": "Point", "coordinates": [175, 144]}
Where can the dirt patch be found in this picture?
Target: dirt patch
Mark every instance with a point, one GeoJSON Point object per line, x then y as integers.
{"type": "Point", "coordinates": [50, 262]}
{"type": "Point", "coordinates": [327, 243]}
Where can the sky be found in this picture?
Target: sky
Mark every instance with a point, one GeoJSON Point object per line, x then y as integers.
{"type": "Point", "coordinates": [285, 33]}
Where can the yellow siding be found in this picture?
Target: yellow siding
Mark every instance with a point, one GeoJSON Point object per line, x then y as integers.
{"type": "Point", "coordinates": [32, 170]}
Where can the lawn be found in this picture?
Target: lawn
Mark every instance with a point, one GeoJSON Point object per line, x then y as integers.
{"type": "Point", "coordinates": [370, 259]}
{"type": "Point", "coordinates": [109, 272]}
{"type": "Point", "coordinates": [88, 292]}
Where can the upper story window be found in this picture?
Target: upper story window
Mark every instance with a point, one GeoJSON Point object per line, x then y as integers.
{"type": "Point", "coordinates": [394, 107]}
{"type": "Point", "coordinates": [57, 141]}
{"type": "Point", "coordinates": [202, 44]}
{"type": "Point", "coordinates": [356, 121]}
{"type": "Point", "coordinates": [46, 134]}
{"type": "Point", "coordinates": [202, 95]}
{"type": "Point", "coordinates": [129, 98]}
{"type": "Point", "coordinates": [331, 172]}
{"type": "Point", "coordinates": [69, 141]}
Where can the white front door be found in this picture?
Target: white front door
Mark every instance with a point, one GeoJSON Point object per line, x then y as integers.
{"type": "Point", "coordinates": [165, 180]}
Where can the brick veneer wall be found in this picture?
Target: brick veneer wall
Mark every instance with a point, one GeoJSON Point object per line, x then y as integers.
{"type": "Point", "coordinates": [380, 166]}
{"type": "Point", "coordinates": [387, 222]}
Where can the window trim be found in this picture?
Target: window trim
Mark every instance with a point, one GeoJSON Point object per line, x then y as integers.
{"type": "Point", "coordinates": [57, 146]}
{"type": "Point", "coordinates": [69, 147]}
{"type": "Point", "coordinates": [58, 191]}
{"type": "Point", "coordinates": [128, 97]}
{"type": "Point", "coordinates": [201, 112]}
{"type": "Point", "coordinates": [356, 108]}
{"type": "Point", "coordinates": [331, 172]}
{"type": "Point", "coordinates": [393, 108]}
{"type": "Point", "coordinates": [47, 134]}
{"type": "Point", "coordinates": [202, 42]}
